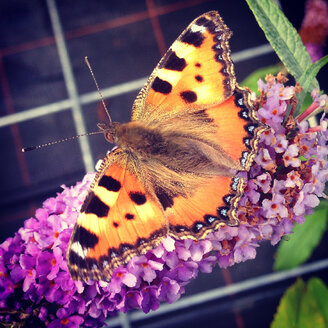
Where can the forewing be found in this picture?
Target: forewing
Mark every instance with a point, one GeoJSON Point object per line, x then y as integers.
{"type": "Point", "coordinates": [196, 71]}
{"type": "Point", "coordinates": [118, 220]}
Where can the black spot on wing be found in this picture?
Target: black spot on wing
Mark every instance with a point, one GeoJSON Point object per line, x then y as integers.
{"type": "Point", "coordinates": [197, 227]}
{"type": "Point", "coordinates": [97, 207]}
{"type": "Point", "coordinates": [164, 198]}
{"type": "Point", "coordinates": [125, 247]}
{"type": "Point", "coordinates": [86, 238]}
{"type": "Point", "coordinates": [199, 78]}
{"type": "Point", "coordinates": [109, 183]}
{"type": "Point", "coordinates": [250, 128]}
{"type": "Point", "coordinates": [194, 38]}
{"type": "Point", "coordinates": [201, 21]}
{"type": "Point", "coordinates": [209, 219]}
{"type": "Point", "coordinates": [93, 205]}
{"type": "Point", "coordinates": [247, 142]}
{"type": "Point", "coordinates": [223, 212]}
{"type": "Point", "coordinates": [115, 224]}
{"type": "Point", "coordinates": [161, 86]}
{"type": "Point", "coordinates": [138, 197]}
{"type": "Point", "coordinates": [141, 241]}
{"type": "Point", "coordinates": [188, 96]}
{"type": "Point", "coordinates": [75, 259]}
{"type": "Point", "coordinates": [129, 216]}
{"type": "Point", "coordinates": [87, 200]}
{"type": "Point", "coordinates": [227, 199]}
{"type": "Point", "coordinates": [112, 253]}
{"type": "Point", "coordinates": [174, 63]}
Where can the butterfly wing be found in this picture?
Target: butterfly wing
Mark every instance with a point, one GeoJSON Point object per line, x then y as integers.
{"type": "Point", "coordinates": [196, 71]}
{"type": "Point", "coordinates": [118, 220]}
{"type": "Point", "coordinates": [214, 203]}
{"type": "Point", "coordinates": [197, 75]}
{"type": "Point", "coordinates": [238, 128]}
{"type": "Point", "coordinates": [210, 206]}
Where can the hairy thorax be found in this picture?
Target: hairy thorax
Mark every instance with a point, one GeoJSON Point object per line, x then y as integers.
{"type": "Point", "coordinates": [184, 147]}
{"type": "Point", "coordinates": [174, 150]}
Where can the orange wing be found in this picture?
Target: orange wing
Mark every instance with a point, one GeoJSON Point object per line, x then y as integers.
{"type": "Point", "coordinates": [238, 129]}
{"type": "Point", "coordinates": [209, 207]}
{"type": "Point", "coordinates": [215, 202]}
{"type": "Point", "coordinates": [196, 72]}
{"type": "Point", "coordinates": [118, 220]}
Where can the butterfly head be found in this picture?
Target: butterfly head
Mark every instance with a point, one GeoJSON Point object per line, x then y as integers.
{"type": "Point", "coordinates": [110, 131]}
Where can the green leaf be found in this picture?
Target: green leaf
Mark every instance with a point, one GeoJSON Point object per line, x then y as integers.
{"type": "Point", "coordinates": [303, 306]}
{"type": "Point", "coordinates": [309, 315]}
{"type": "Point", "coordinates": [312, 71]}
{"type": "Point", "coordinates": [305, 238]}
{"type": "Point", "coordinates": [251, 80]}
{"type": "Point", "coordinates": [306, 80]}
{"type": "Point", "coordinates": [320, 291]}
{"type": "Point", "coordinates": [306, 103]}
{"type": "Point", "coordinates": [289, 306]}
{"type": "Point", "coordinates": [283, 37]}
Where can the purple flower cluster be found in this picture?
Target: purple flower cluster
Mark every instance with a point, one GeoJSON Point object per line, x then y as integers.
{"type": "Point", "coordinates": [284, 184]}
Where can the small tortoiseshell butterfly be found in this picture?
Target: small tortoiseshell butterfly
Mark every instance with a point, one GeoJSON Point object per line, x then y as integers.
{"type": "Point", "coordinates": [174, 169]}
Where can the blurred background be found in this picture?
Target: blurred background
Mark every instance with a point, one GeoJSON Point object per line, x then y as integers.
{"type": "Point", "coordinates": [47, 94]}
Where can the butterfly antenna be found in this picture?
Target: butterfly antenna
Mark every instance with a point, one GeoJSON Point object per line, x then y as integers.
{"type": "Point", "coordinates": [96, 83]}
{"type": "Point", "coordinates": [59, 141]}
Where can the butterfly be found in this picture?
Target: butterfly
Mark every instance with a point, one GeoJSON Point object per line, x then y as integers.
{"type": "Point", "coordinates": [174, 170]}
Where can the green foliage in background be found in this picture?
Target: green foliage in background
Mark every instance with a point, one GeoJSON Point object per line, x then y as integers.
{"type": "Point", "coordinates": [303, 306]}
{"type": "Point", "coordinates": [299, 246]}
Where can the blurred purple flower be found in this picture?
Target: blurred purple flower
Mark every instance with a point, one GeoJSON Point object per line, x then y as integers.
{"type": "Point", "coordinates": [68, 322]}
{"type": "Point", "coordinates": [149, 298]}
{"type": "Point", "coordinates": [314, 29]}
{"type": "Point", "coordinates": [281, 189]}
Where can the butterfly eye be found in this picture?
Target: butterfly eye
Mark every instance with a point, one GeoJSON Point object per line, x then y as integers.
{"type": "Point", "coordinates": [109, 137]}
{"type": "Point", "coordinates": [109, 130]}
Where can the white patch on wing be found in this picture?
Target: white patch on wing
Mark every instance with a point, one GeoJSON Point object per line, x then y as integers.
{"type": "Point", "coordinates": [196, 28]}
{"type": "Point", "coordinates": [79, 250]}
